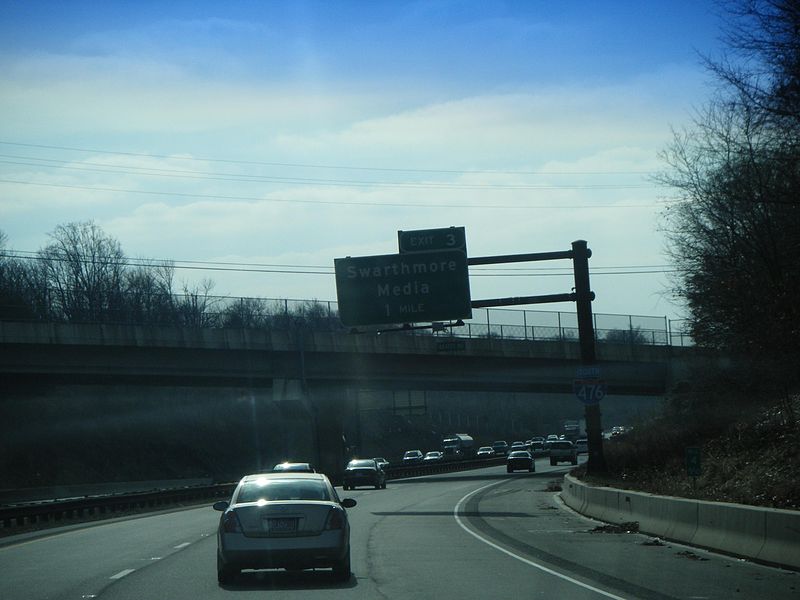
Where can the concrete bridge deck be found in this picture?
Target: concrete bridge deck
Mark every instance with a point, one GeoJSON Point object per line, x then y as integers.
{"type": "Point", "coordinates": [158, 355]}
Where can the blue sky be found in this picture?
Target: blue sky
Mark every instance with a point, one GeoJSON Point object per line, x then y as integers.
{"type": "Point", "coordinates": [297, 132]}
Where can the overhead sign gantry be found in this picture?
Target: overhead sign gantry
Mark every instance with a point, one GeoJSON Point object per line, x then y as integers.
{"type": "Point", "coordinates": [428, 281]}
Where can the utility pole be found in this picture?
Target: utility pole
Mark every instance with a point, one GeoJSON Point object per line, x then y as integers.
{"type": "Point", "coordinates": [583, 304]}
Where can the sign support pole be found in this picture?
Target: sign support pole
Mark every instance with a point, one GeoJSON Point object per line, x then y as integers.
{"type": "Point", "coordinates": [583, 304]}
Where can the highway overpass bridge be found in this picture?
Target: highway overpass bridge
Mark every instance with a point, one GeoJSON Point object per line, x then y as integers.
{"type": "Point", "coordinates": [147, 355]}
{"type": "Point", "coordinates": [324, 376]}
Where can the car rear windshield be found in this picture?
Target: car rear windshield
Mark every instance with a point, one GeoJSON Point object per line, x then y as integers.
{"type": "Point", "coordinates": [561, 445]}
{"type": "Point", "coordinates": [519, 454]}
{"type": "Point", "coordinates": [361, 464]}
{"type": "Point", "coordinates": [285, 489]}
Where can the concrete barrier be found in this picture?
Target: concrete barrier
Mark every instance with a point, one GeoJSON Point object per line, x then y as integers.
{"type": "Point", "coordinates": [782, 537]}
{"type": "Point", "coordinates": [765, 535]}
{"type": "Point", "coordinates": [732, 528]}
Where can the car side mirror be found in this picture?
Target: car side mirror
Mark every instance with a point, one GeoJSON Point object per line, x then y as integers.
{"type": "Point", "coordinates": [221, 505]}
{"type": "Point", "coordinates": [348, 503]}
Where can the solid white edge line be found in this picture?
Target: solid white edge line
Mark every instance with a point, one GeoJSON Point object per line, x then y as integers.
{"type": "Point", "coordinates": [122, 574]}
{"type": "Point", "coordinates": [517, 556]}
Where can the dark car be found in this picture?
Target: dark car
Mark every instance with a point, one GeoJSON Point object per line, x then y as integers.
{"type": "Point", "coordinates": [382, 462]}
{"type": "Point", "coordinates": [412, 457]}
{"type": "Point", "coordinates": [500, 447]}
{"type": "Point", "coordinates": [538, 449]}
{"type": "Point", "coordinates": [434, 456]}
{"type": "Point", "coordinates": [363, 471]}
{"type": "Point", "coordinates": [520, 460]}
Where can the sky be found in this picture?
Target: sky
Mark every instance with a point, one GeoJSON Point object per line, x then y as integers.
{"type": "Point", "coordinates": [265, 139]}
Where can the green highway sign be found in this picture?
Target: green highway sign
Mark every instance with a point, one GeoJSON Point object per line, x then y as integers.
{"type": "Point", "coordinates": [403, 288]}
{"type": "Point", "coordinates": [693, 462]}
{"type": "Point", "coordinates": [428, 240]}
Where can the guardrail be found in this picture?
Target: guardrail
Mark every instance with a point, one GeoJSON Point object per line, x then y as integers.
{"type": "Point", "coordinates": [49, 513]}
{"type": "Point", "coordinates": [14, 518]}
{"type": "Point", "coordinates": [419, 469]}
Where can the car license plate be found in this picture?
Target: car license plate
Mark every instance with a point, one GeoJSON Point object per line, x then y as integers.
{"type": "Point", "coordinates": [280, 525]}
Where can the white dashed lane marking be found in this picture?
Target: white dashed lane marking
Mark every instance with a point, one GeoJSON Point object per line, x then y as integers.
{"type": "Point", "coordinates": [122, 574]}
{"type": "Point", "coordinates": [183, 545]}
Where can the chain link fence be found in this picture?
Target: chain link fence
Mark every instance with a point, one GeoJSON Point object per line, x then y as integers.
{"type": "Point", "coordinates": [320, 315]}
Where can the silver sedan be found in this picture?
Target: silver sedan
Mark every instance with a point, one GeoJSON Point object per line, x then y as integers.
{"type": "Point", "coordinates": [283, 521]}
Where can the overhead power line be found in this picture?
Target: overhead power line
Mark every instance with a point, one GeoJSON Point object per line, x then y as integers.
{"type": "Point", "coordinates": [328, 270]}
{"type": "Point", "coordinates": [317, 165]}
{"type": "Point", "coordinates": [199, 175]}
{"type": "Point", "coordinates": [324, 202]}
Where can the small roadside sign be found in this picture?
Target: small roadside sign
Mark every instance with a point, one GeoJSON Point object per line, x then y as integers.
{"type": "Point", "coordinates": [693, 462]}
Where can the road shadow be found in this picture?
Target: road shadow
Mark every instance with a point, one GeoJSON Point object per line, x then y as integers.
{"type": "Point", "coordinates": [449, 513]}
{"type": "Point", "coordinates": [311, 579]}
{"type": "Point", "coordinates": [476, 477]}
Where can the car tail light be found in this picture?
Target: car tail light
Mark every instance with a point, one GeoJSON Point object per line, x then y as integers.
{"type": "Point", "coordinates": [335, 519]}
{"type": "Point", "coordinates": [230, 523]}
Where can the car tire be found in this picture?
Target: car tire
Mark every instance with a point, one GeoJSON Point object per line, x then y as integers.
{"type": "Point", "coordinates": [384, 485]}
{"type": "Point", "coordinates": [341, 571]}
{"type": "Point", "coordinates": [553, 463]}
{"type": "Point", "coordinates": [531, 470]}
{"type": "Point", "coordinates": [225, 573]}
{"type": "Point", "coordinates": [509, 470]}
{"type": "Point", "coordinates": [574, 461]}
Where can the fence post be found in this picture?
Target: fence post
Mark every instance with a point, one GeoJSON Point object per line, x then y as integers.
{"type": "Point", "coordinates": [630, 329]}
{"type": "Point", "coordinates": [525, 323]}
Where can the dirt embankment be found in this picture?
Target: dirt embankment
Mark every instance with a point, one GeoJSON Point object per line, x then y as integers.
{"type": "Point", "coordinates": [750, 453]}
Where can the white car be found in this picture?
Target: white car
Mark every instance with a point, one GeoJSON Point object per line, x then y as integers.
{"type": "Point", "coordinates": [563, 451]}
{"type": "Point", "coordinates": [283, 521]}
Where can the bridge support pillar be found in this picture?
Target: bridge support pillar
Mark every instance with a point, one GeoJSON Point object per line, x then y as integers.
{"type": "Point", "coordinates": [326, 406]}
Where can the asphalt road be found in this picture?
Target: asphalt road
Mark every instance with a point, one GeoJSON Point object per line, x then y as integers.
{"type": "Point", "coordinates": [477, 534]}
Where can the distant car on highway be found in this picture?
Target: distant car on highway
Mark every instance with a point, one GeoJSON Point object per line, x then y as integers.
{"type": "Point", "coordinates": [382, 462]}
{"type": "Point", "coordinates": [283, 521]}
{"type": "Point", "coordinates": [520, 445]}
{"type": "Point", "coordinates": [563, 451]}
{"type": "Point", "coordinates": [500, 447]}
{"type": "Point", "coordinates": [582, 445]}
{"type": "Point", "coordinates": [293, 467]}
{"type": "Point", "coordinates": [433, 456]}
{"type": "Point", "coordinates": [485, 452]}
{"type": "Point", "coordinates": [538, 449]}
{"type": "Point", "coordinates": [412, 457]}
{"type": "Point", "coordinates": [520, 460]}
{"type": "Point", "coordinates": [363, 471]}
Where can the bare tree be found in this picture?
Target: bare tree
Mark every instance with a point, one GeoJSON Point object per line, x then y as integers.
{"type": "Point", "coordinates": [197, 306]}
{"type": "Point", "coordinates": [148, 293]}
{"type": "Point", "coordinates": [246, 313]}
{"type": "Point", "coordinates": [83, 270]}
{"type": "Point", "coordinates": [734, 232]}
